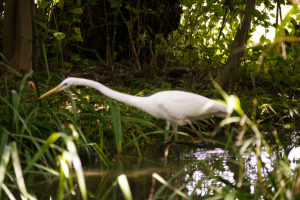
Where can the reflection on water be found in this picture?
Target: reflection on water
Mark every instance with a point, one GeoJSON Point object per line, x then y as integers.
{"type": "Point", "coordinates": [199, 166]}
{"type": "Point", "coordinates": [293, 156]}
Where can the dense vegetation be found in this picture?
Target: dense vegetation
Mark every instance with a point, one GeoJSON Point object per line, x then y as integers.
{"type": "Point", "coordinates": [140, 49]}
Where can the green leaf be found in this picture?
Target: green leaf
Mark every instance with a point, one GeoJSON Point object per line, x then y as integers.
{"type": "Point", "coordinates": [61, 3]}
{"type": "Point", "coordinates": [262, 39]}
{"type": "Point", "coordinates": [76, 58]}
{"type": "Point", "coordinates": [44, 4]}
{"type": "Point", "coordinates": [76, 20]}
{"type": "Point", "coordinates": [77, 30]}
{"type": "Point", "coordinates": [59, 35]}
{"type": "Point", "coordinates": [86, 61]}
{"type": "Point", "coordinates": [77, 11]}
{"type": "Point", "coordinates": [68, 64]}
{"type": "Point", "coordinates": [115, 55]}
{"type": "Point", "coordinates": [188, 42]}
{"type": "Point", "coordinates": [115, 3]}
{"type": "Point", "coordinates": [257, 14]}
{"type": "Point", "coordinates": [209, 2]}
{"type": "Point", "coordinates": [78, 38]}
{"type": "Point", "coordinates": [43, 25]}
{"type": "Point", "coordinates": [94, 3]}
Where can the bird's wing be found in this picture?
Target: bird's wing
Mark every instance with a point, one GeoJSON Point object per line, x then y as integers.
{"type": "Point", "coordinates": [176, 106]}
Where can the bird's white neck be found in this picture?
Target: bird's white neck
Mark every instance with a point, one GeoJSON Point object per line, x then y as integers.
{"type": "Point", "coordinates": [125, 98]}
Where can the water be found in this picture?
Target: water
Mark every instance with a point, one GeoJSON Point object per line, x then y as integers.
{"type": "Point", "coordinates": [200, 169]}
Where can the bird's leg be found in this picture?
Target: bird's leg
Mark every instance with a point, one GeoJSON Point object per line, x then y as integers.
{"type": "Point", "coordinates": [178, 156]}
{"type": "Point", "coordinates": [170, 141]}
{"type": "Point", "coordinates": [175, 127]}
{"type": "Point", "coordinates": [204, 144]}
{"type": "Point", "coordinates": [197, 133]}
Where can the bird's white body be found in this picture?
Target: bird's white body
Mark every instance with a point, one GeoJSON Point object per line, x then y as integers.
{"type": "Point", "coordinates": [178, 107]}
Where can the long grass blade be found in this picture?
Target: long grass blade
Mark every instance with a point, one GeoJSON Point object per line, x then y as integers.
{"type": "Point", "coordinates": [18, 117]}
{"type": "Point", "coordinates": [21, 88]}
{"type": "Point", "coordinates": [167, 184]}
{"type": "Point", "coordinates": [8, 193]}
{"type": "Point", "coordinates": [11, 69]}
{"type": "Point", "coordinates": [51, 139]}
{"type": "Point", "coordinates": [77, 164]}
{"type": "Point", "coordinates": [18, 169]}
{"type": "Point", "coordinates": [15, 109]}
{"type": "Point", "coordinates": [4, 139]}
{"type": "Point", "coordinates": [114, 184]}
{"type": "Point", "coordinates": [117, 126]}
{"type": "Point", "coordinates": [45, 56]}
{"type": "Point", "coordinates": [74, 108]}
{"type": "Point", "coordinates": [124, 185]}
{"type": "Point", "coordinates": [136, 145]}
{"type": "Point", "coordinates": [61, 187]}
{"type": "Point", "coordinates": [102, 155]}
{"type": "Point", "coordinates": [4, 161]}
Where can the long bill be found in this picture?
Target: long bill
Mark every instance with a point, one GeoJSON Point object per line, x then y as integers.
{"type": "Point", "coordinates": [50, 91]}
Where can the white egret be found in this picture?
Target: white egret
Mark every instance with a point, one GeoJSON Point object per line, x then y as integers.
{"type": "Point", "coordinates": [178, 107]}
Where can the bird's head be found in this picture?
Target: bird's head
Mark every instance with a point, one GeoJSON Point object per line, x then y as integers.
{"type": "Point", "coordinates": [62, 86]}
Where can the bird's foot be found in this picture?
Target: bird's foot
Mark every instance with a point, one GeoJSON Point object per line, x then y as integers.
{"type": "Point", "coordinates": [165, 144]}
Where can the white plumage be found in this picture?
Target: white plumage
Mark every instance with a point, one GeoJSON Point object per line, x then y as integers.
{"type": "Point", "coordinates": [178, 107]}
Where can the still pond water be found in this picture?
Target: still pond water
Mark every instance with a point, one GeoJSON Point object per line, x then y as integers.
{"type": "Point", "coordinates": [196, 168]}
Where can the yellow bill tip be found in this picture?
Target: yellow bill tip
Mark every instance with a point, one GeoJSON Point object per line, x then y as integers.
{"type": "Point", "coordinates": [50, 91]}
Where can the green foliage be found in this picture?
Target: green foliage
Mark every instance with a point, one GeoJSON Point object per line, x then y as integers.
{"type": "Point", "coordinates": [29, 125]}
{"type": "Point", "coordinates": [116, 118]}
{"type": "Point", "coordinates": [37, 133]}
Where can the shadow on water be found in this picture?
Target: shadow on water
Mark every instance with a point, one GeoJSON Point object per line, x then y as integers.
{"type": "Point", "coordinates": [198, 167]}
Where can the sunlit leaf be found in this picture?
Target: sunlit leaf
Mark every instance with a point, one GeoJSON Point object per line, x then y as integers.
{"type": "Point", "coordinates": [59, 35]}
{"type": "Point", "coordinates": [262, 39]}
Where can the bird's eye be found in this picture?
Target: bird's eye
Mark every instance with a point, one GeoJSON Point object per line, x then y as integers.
{"type": "Point", "coordinates": [65, 84]}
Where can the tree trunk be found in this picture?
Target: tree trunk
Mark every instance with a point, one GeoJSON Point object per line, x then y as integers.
{"type": "Point", "coordinates": [9, 29]}
{"type": "Point", "coordinates": [238, 46]}
{"type": "Point", "coordinates": [25, 48]}
{"type": "Point", "coordinates": [37, 63]}
{"type": "Point", "coordinates": [18, 45]}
